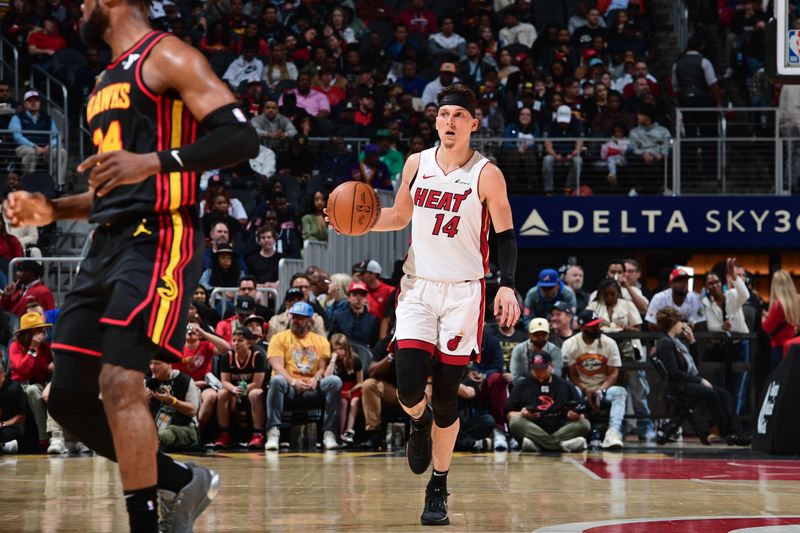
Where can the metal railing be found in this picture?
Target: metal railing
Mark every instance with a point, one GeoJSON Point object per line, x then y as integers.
{"type": "Point", "coordinates": [59, 273]}
{"type": "Point", "coordinates": [9, 51]}
{"type": "Point", "coordinates": [270, 297]}
{"type": "Point", "coordinates": [52, 161]}
{"type": "Point", "coordinates": [730, 150]}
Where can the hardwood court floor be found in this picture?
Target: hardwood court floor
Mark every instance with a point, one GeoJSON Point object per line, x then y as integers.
{"type": "Point", "coordinates": [352, 491]}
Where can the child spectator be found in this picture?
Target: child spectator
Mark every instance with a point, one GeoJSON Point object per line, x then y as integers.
{"type": "Point", "coordinates": [613, 151]}
{"type": "Point", "coordinates": [350, 370]}
{"type": "Point", "coordinates": [224, 271]}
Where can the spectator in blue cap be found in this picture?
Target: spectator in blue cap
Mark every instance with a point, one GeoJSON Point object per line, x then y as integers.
{"type": "Point", "coordinates": [544, 295]}
{"type": "Point", "coordinates": [299, 358]}
{"type": "Point", "coordinates": [371, 170]}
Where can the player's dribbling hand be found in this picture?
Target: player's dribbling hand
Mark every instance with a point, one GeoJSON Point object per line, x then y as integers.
{"type": "Point", "coordinates": [328, 221]}
{"type": "Point", "coordinates": [506, 308]}
{"type": "Point", "coordinates": [23, 208]}
{"type": "Point", "coordinates": [109, 170]}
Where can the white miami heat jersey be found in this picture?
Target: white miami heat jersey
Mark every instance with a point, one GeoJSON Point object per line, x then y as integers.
{"type": "Point", "coordinates": [449, 224]}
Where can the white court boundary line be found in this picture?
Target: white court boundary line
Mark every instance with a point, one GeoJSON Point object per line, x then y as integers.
{"type": "Point", "coordinates": [577, 527]}
{"type": "Point", "coordinates": [583, 469]}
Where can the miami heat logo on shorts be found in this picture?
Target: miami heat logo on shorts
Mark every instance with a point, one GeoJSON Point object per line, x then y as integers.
{"type": "Point", "coordinates": [453, 343]}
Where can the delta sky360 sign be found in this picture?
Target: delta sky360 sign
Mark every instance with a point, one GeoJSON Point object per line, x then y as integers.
{"type": "Point", "coordinates": [657, 222]}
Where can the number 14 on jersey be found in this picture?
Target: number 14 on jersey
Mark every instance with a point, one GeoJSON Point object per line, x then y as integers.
{"type": "Point", "coordinates": [449, 228]}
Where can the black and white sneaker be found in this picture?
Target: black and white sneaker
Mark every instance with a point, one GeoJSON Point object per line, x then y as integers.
{"type": "Point", "coordinates": [419, 449]}
{"type": "Point", "coordinates": [435, 513]}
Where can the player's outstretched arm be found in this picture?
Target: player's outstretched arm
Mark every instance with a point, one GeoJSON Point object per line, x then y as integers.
{"type": "Point", "coordinates": [493, 188]}
{"type": "Point", "coordinates": [23, 208]}
{"type": "Point", "coordinates": [229, 138]}
{"type": "Point", "coordinates": [399, 215]}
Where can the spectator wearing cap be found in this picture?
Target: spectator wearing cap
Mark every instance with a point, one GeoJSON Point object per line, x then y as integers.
{"type": "Point", "coordinates": [174, 401]}
{"type": "Point", "coordinates": [369, 272]}
{"type": "Point", "coordinates": [280, 322]}
{"type": "Point", "coordinates": [371, 170]}
{"type": "Point", "coordinates": [447, 76]}
{"type": "Point", "coordinates": [679, 297]}
{"type": "Point", "coordinates": [197, 362]}
{"type": "Point", "coordinates": [242, 372]}
{"type": "Point", "coordinates": [649, 148]}
{"type": "Point", "coordinates": [299, 358]}
{"type": "Point", "coordinates": [28, 287]}
{"type": "Point", "coordinates": [224, 271]}
{"type": "Point", "coordinates": [245, 306]}
{"type": "Point", "coordinates": [346, 125]}
{"type": "Point", "coordinates": [257, 326]}
{"type": "Point", "coordinates": [543, 296]}
{"type": "Point", "coordinates": [446, 43]}
{"type": "Point", "coordinates": [246, 68]}
{"type": "Point", "coordinates": [219, 236]}
{"type": "Point", "coordinates": [594, 365]}
{"type": "Point", "coordinates": [538, 341]}
{"type": "Point", "coordinates": [249, 287]}
{"type": "Point", "coordinates": [354, 320]}
{"type": "Point", "coordinates": [418, 19]}
{"type": "Point", "coordinates": [314, 103]}
{"type": "Point", "coordinates": [272, 127]}
{"type": "Point", "coordinates": [542, 410]}
{"type": "Point", "coordinates": [516, 32]}
{"type": "Point", "coordinates": [263, 264]}
{"type": "Point", "coordinates": [365, 110]}
{"type": "Point", "coordinates": [561, 323]}
{"type": "Point", "coordinates": [563, 153]}
{"type": "Point", "coordinates": [36, 135]}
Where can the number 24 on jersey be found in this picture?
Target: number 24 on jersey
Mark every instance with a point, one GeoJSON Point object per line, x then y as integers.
{"type": "Point", "coordinates": [111, 141]}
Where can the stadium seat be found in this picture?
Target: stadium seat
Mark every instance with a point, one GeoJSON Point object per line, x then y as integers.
{"type": "Point", "coordinates": [680, 408]}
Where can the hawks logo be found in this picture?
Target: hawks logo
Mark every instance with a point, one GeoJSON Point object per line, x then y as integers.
{"type": "Point", "coordinates": [170, 291]}
{"type": "Point", "coordinates": [453, 343]}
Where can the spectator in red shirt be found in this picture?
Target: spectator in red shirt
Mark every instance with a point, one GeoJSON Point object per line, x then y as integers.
{"type": "Point", "coordinates": [27, 288]}
{"type": "Point", "coordinates": [44, 43]}
{"type": "Point", "coordinates": [418, 19]}
{"type": "Point", "coordinates": [32, 364]}
{"type": "Point", "coordinates": [783, 317]}
{"type": "Point", "coordinates": [10, 246]}
{"type": "Point", "coordinates": [379, 292]}
{"type": "Point", "coordinates": [245, 306]}
{"type": "Point", "coordinates": [198, 355]}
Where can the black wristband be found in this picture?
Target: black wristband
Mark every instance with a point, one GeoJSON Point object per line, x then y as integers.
{"type": "Point", "coordinates": [507, 257]}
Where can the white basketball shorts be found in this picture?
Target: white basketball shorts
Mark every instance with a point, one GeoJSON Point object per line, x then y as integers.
{"type": "Point", "coordinates": [444, 318]}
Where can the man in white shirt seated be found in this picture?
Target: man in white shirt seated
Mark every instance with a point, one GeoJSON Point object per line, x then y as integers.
{"type": "Point", "coordinates": [680, 298]}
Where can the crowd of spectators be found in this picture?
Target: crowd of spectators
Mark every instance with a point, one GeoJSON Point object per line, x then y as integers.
{"type": "Point", "coordinates": [542, 72]}
{"type": "Point", "coordinates": [569, 375]}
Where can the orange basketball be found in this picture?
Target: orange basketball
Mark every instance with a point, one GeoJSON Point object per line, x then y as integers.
{"type": "Point", "coordinates": [353, 208]}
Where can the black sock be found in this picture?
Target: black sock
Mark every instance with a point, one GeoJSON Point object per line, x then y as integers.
{"type": "Point", "coordinates": [438, 479]}
{"type": "Point", "coordinates": [142, 507]}
{"type": "Point", "coordinates": [424, 420]}
{"type": "Point", "coordinates": [172, 475]}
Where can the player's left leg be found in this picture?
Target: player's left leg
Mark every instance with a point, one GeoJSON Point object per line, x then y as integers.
{"type": "Point", "coordinates": [444, 399]}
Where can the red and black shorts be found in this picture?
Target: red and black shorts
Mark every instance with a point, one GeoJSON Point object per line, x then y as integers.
{"type": "Point", "coordinates": [132, 293]}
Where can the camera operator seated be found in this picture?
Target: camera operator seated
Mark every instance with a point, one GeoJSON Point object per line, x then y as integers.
{"type": "Point", "coordinates": [174, 400]}
{"type": "Point", "coordinates": [544, 412]}
{"type": "Point", "coordinates": [594, 364]}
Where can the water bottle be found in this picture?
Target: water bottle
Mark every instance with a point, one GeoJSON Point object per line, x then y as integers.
{"type": "Point", "coordinates": [594, 440]}
{"type": "Point", "coordinates": [243, 397]}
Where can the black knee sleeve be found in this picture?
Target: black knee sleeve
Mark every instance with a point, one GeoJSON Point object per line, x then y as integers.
{"type": "Point", "coordinates": [75, 405]}
{"type": "Point", "coordinates": [444, 398]}
{"type": "Point", "coordinates": [413, 368]}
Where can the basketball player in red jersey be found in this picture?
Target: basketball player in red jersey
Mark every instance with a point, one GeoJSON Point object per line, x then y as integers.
{"type": "Point", "coordinates": [448, 193]}
{"type": "Point", "coordinates": [158, 115]}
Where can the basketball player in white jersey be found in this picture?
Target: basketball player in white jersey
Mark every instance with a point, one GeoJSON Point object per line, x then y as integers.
{"type": "Point", "coordinates": [449, 194]}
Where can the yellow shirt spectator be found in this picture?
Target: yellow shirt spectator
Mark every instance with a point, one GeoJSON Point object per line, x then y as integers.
{"type": "Point", "coordinates": [301, 357]}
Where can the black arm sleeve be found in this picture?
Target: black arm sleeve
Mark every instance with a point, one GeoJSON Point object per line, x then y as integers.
{"type": "Point", "coordinates": [229, 139]}
{"type": "Point", "coordinates": [507, 257]}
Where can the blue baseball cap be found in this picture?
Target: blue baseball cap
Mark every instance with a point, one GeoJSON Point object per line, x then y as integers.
{"type": "Point", "coordinates": [548, 278]}
{"type": "Point", "coordinates": [302, 309]}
